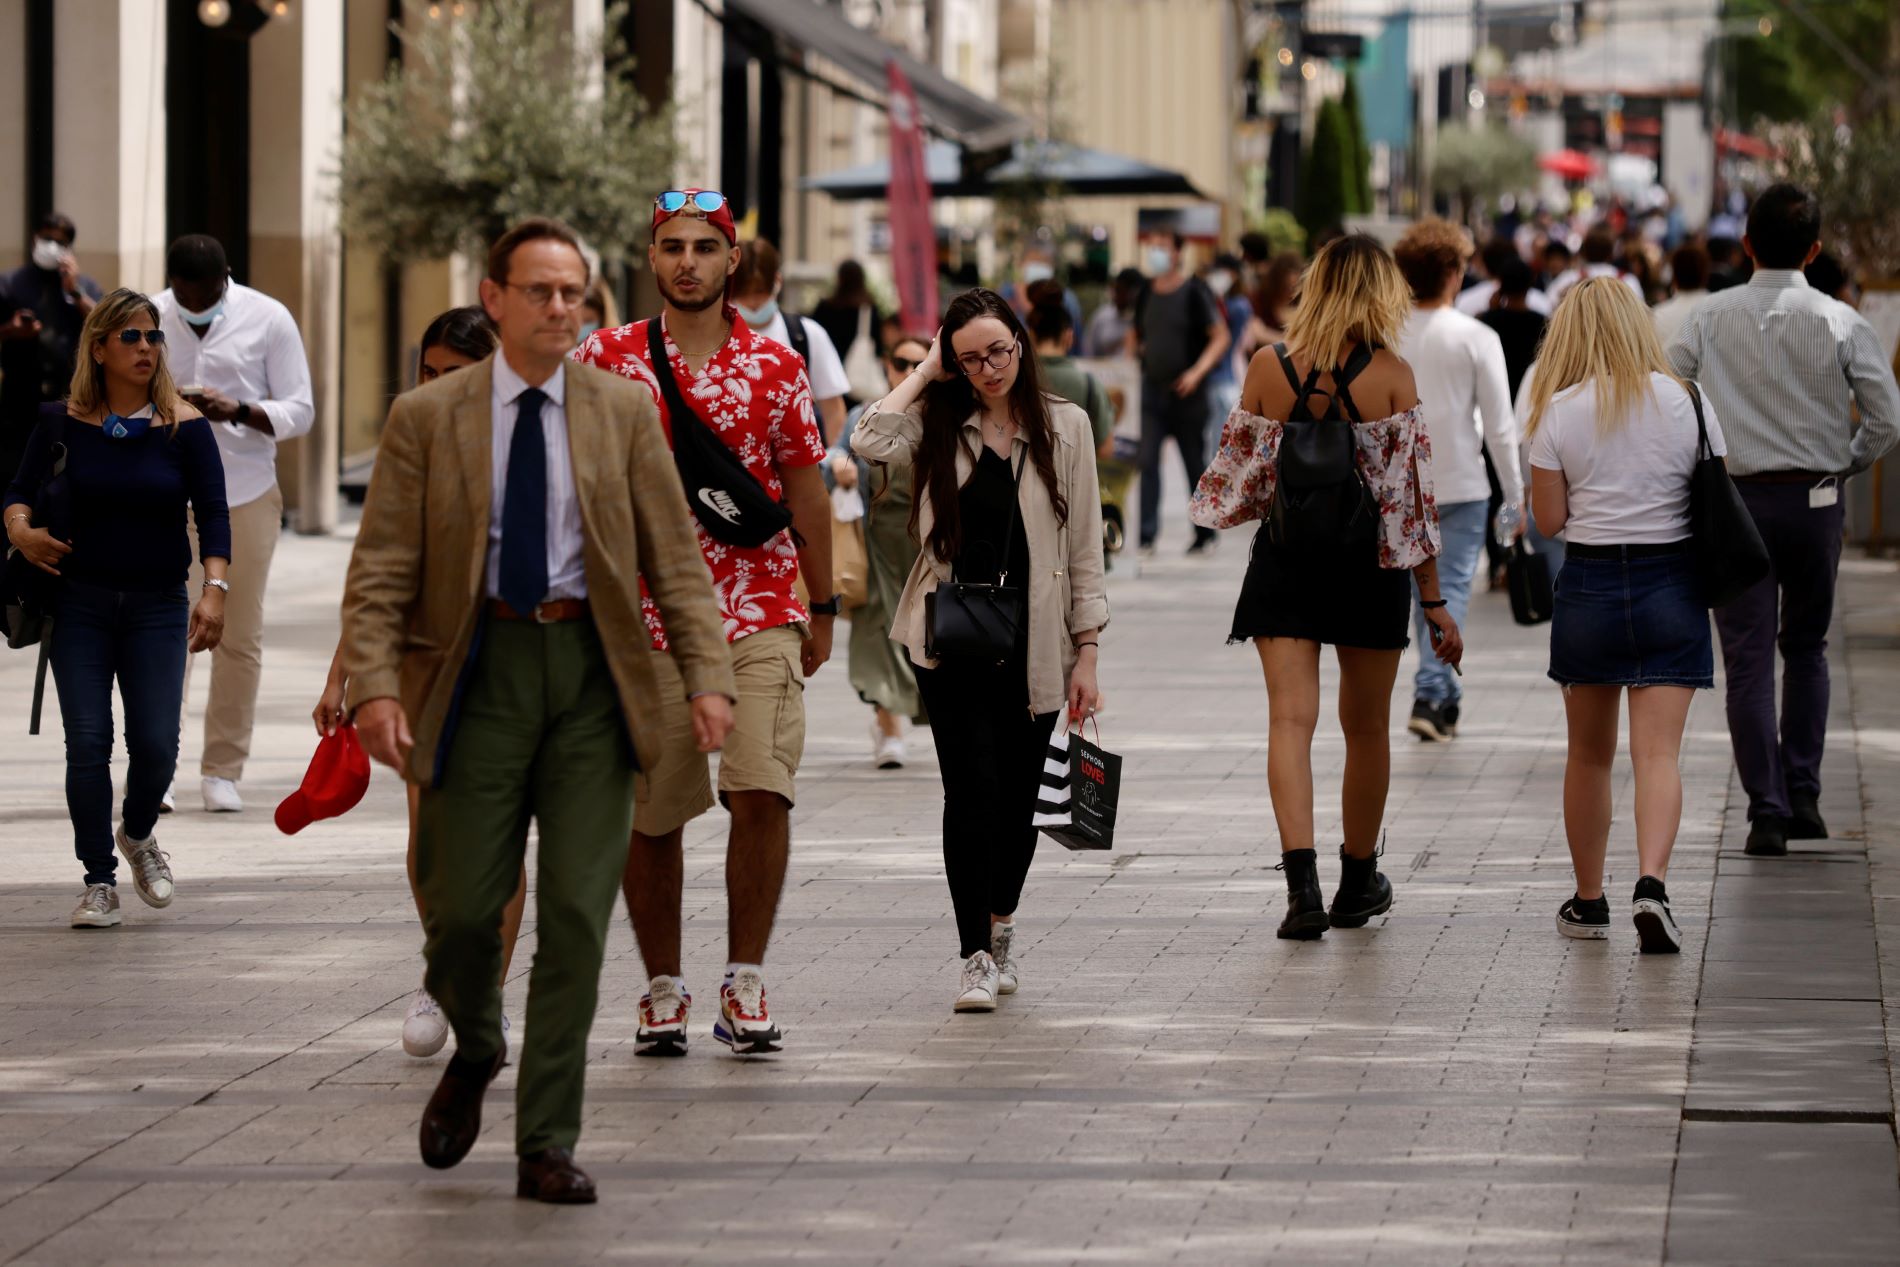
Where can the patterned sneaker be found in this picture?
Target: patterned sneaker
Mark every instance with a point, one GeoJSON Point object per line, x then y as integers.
{"type": "Point", "coordinates": [425, 1030]}
{"type": "Point", "coordinates": [1002, 939]}
{"type": "Point", "coordinates": [98, 907]}
{"type": "Point", "coordinates": [150, 875]}
{"type": "Point", "coordinates": [663, 1012]}
{"type": "Point", "coordinates": [976, 992]}
{"type": "Point", "coordinates": [1585, 921]}
{"type": "Point", "coordinates": [744, 1025]}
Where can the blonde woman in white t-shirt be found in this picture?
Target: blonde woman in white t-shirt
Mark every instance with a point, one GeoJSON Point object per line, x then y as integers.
{"type": "Point", "coordinates": [1613, 442]}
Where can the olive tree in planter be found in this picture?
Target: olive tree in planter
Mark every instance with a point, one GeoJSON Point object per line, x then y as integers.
{"type": "Point", "coordinates": [496, 116]}
{"type": "Point", "coordinates": [1475, 165]}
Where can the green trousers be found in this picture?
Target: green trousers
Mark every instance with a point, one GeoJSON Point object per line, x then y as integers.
{"type": "Point", "coordinates": [540, 738]}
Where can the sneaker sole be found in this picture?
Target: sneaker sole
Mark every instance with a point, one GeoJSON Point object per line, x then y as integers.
{"type": "Point", "coordinates": [890, 765]}
{"type": "Point", "coordinates": [108, 921]}
{"type": "Point", "coordinates": [1308, 927]}
{"type": "Point", "coordinates": [1426, 731]}
{"type": "Point", "coordinates": [1655, 930]}
{"type": "Point", "coordinates": [975, 1005]}
{"type": "Point", "coordinates": [1765, 851]}
{"type": "Point", "coordinates": [663, 1045]}
{"type": "Point", "coordinates": [1583, 932]}
{"type": "Point", "coordinates": [421, 1052]}
{"type": "Point", "coordinates": [751, 1044]}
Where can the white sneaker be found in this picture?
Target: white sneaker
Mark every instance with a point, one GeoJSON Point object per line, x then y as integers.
{"type": "Point", "coordinates": [1001, 938]}
{"type": "Point", "coordinates": [168, 803]}
{"type": "Point", "coordinates": [425, 1029]}
{"type": "Point", "coordinates": [98, 907]}
{"type": "Point", "coordinates": [888, 750]}
{"type": "Point", "coordinates": [221, 797]}
{"type": "Point", "coordinates": [151, 876]}
{"type": "Point", "coordinates": [977, 991]}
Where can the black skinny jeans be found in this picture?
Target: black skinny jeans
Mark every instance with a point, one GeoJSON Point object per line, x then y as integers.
{"type": "Point", "coordinates": [990, 750]}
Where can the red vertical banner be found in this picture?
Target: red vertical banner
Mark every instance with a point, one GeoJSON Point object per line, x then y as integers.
{"type": "Point", "coordinates": [913, 237]}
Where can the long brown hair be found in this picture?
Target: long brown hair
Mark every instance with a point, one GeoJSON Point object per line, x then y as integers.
{"type": "Point", "coordinates": [948, 404]}
{"type": "Point", "coordinates": [87, 393]}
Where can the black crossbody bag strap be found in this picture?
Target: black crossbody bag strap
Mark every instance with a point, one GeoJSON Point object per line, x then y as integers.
{"type": "Point", "coordinates": [676, 406]}
{"type": "Point", "coordinates": [1015, 513]}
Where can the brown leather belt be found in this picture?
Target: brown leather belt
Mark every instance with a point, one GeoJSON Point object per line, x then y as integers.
{"type": "Point", "coordinates": [553, 612]}
{"type": "Point", "coordinates": [1785, 477]}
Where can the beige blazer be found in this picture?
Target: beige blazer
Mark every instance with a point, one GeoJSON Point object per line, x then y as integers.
{"type": "Point", "coordinates": [1066, 591]}
{"type": "Point", "coordinates": [417, 583]}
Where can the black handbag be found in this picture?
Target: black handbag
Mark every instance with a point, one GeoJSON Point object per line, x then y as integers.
{"type": "Point", "coordinates": [965, 621]}
{"type": "Point", "coordinates": [1724, 543]}
{"type": "Point", "coordinates": [728, 500]}
{"type": "Point", "coordinates": [1527, 576]}
{"type": "Point", "coordinates": [29, 595]}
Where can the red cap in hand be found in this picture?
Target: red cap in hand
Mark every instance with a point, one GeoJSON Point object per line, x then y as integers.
{"type": "Point", "coordinates": [336, 780]}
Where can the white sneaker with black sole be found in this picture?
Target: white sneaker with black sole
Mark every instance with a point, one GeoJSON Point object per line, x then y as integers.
{"type": "Point", "coordinates": [1585, 921]}
{"type": "Point", "coordinates": [1656, 929]}
{"type": "Point", "coordinates": [976, 991]}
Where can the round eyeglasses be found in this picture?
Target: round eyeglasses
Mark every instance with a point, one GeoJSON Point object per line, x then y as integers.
{"type": "Point", "coordinates": [973, 363]}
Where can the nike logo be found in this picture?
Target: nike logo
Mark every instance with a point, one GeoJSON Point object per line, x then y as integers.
{"type": "Point", "coordinates": [720, 502]}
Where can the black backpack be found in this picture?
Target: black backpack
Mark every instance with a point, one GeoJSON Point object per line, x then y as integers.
{"type": "Point", "coordinates": [727, 499]}
{"type": "Point", "coordinates": [1322, 501]}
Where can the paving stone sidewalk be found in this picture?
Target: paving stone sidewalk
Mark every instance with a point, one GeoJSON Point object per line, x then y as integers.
{"type": "Point", "coordinates": [222, 1082]}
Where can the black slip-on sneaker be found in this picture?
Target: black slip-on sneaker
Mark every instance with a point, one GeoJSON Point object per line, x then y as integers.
{"type": "Point", "coordinates": [1585, 921]}
{"type": "Point", "coordinates": [1655, 927]}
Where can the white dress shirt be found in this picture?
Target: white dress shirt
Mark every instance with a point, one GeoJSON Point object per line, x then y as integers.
{"type": "Point", "coordinates": [567, 572]}
{"type": "Point", "coordinates": [1474, 300]}
{"type": "Point", "coordinates": [1458, 363]}
{"type": "Point", "coordinates": [823, 367]}
{"type": "Point", "coordinates": [1785, 366]}
{"type": "Point", "coordinates": [252, 353]}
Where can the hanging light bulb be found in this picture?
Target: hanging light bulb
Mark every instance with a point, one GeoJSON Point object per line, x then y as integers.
{"type": "Point", "coordinates": [214, 12]}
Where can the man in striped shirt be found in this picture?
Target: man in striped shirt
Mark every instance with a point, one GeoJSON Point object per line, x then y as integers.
{"type": "Point", "coordinates": [1784, 366]}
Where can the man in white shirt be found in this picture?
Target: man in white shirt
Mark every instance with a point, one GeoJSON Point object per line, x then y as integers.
{"type": "Point", "coordinates": [1458, 363]}
{"type": "Point", "coordinates": [1689, 269]}
{"type": "Point", "coordinates": [754, 292]}
{"type": "Point", "coordinates": [237, 356]}
{"type": "Point", "coordinates": [1498, 254]}
{"type": "Point", "coordinates": [1598, 256]}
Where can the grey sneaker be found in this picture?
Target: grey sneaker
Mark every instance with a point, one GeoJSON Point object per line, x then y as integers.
{"type": "Point", "coordinates": [98, 907]}
{"type": "Point", "coordinates": [150, 874]}
{"type": "Point", "coordinates": [1002, 937]}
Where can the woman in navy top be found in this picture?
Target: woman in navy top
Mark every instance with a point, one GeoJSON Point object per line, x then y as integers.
{"type": "Point", "coordinates": [136, 457]}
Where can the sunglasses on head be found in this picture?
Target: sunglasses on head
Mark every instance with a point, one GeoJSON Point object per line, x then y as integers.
{"type": "Point", "coordinates": [706, 201]}
{"type": "Point", "coordinates": [131, 337]}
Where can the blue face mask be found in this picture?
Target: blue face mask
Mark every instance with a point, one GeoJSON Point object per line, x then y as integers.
{"type": "Point", "coordinates": [118, 428]}
{"type": "Point", "coordinates": [760, 317]}
{"type": "Point", "coordinates": [206, 317]}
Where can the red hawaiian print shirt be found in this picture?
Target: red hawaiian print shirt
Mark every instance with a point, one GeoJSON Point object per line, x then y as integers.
{"type": "Point", "coordinates": [754, 394]}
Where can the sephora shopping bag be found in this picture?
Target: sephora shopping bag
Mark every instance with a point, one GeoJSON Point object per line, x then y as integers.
{"type": "Point", "coordinates": [1081, 782]}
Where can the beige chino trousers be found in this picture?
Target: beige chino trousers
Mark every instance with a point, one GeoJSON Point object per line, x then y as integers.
{"type": "Point", "coordinates": [238, 662]}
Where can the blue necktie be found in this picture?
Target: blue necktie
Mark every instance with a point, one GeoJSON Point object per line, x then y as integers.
{"type": "Point", "coordinates": [524, 509]}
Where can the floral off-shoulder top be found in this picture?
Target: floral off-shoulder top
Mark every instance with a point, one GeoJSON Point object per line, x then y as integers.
{"type": "Point", "coordinates": [1395, 457]}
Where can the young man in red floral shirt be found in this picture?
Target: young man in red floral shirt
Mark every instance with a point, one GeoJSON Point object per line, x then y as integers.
{"type": "Point", "coordinates": [754, 395]}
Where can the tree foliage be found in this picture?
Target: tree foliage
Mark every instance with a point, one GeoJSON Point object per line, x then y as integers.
{"type": "Point", "coordinates": [1327, 193]}
{"type": "Point", "coordinates": [498, 116]}
{"type": "Point", "coordinates": [1855, 171]}
{"type": "Point", "coordinates": [1361, 167]}
{"type": "Point", "coordinates": [1794, 71]}
{"type": "Point", "coordinates": [1476, 164]}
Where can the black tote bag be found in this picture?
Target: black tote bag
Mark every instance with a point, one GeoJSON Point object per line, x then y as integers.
{"type": "Point", "coordinates": [1725, 544]}
{"type": "Point", "coordinates": [729, 502]}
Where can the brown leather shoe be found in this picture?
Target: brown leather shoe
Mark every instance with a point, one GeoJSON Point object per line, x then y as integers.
{"type": "Point", "coordinates": [551, 1176]}
{"type": "Point", "coordinates": [454, 1116]}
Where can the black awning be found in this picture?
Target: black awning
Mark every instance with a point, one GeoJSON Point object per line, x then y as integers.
{"type": "Point", "coordinates": [950, 110]}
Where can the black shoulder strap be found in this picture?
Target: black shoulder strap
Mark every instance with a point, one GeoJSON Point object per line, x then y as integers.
{"type": "Point", "coordinates": [677, 410]}
{"type": "Point", "coordinates": [798, 338]}
{"type": "Point", "coordinates": [1015, 511]}
{"type": "Point", "coordinates": [1354, 366]}
{"type": "Point", "coordinates": [1286, 367]}
{"type": "Point", "coordinates": [1702, 446]}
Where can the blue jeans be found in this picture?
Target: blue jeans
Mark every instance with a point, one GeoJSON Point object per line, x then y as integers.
{"type": "Point", "coordinates": [1461, 526]}
{"type": "Point", "coordinates": [139, 638]}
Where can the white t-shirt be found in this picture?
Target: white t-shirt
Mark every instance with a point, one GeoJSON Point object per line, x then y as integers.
{"type": "Point", "coordinates": [1631, 486]}
{"type": "Point", "coordinates": [822, 367]}
{"type": "Point", "coordinates": [1458, 364]}
{"type": "Point", "coordinates": [1475, 300]}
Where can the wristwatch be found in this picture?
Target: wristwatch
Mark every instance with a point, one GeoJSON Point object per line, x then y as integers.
{"type": "Point", "coordinates": [218, 582]}
{"type": "Point", "coordinates": [830, 607]}
{"type": "Point", "coordinates": [243, 411]}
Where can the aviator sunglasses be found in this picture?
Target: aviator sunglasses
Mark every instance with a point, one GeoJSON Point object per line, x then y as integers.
{"type": "Point", "coordinates": [131, 337]}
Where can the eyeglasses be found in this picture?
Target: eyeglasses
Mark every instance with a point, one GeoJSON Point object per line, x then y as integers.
{"type": "Point", "coordinates": [539, 295]}
{"type": "Point", "coordinates": [674, 201]}
{"type": "Point", "coordinates": [131, 337]}
{"type": "Point", "coordinates": [972, 363]}
{"type": "Point", "coordinates": [903, 364]}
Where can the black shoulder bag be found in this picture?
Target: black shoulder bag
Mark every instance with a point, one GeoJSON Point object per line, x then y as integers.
{"type": "Point", "coordinates": [965, 621]}
{"type": "Point", "coordinates": [727, 499]}
{"type": "Point", "coordinates": [30, 593]}
{"type": "Point", "coordinates": [1724, 542]}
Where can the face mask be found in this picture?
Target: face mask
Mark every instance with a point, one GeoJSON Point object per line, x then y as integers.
{"type": "Point", "coordinates": [1160, 260]}
{"type": "Point", "coordinates": [47, 254]}
{"type": "Point", "coordinates": [1037, 271]}
{"type": "Point", "coordinates": [1220, 279]}
{"type": "Point", "coordinates": [118, 428]}
{"type": "Point", "coordinates": [760, 317]}
{"type": "Point", "coordinates": [204, 318]}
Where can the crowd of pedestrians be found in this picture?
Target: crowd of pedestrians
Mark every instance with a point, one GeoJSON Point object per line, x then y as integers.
{"type": "Point", "coordinates": [595, 552]}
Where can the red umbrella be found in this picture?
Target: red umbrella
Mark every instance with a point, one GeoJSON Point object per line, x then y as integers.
{"type": "Point", "coordinates": [1569, 164]}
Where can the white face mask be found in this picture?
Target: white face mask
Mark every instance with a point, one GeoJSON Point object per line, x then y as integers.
{"type": "Point", "coordinates": [47, 253]}
{"type": "Point", "coordinates": [1220, 279]}
{"type": "Point", "coordinates": [1037, 271]}
{"type": "Point", "coordinates": [1160, 260]}
{"type": "Point", "coordinates": [204, 318]}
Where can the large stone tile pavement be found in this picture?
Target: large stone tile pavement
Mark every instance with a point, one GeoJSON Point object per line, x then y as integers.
{"type": "Point", "coordinates": [222, 1081]}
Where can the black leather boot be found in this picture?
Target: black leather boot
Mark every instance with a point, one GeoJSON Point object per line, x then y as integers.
{"type": "Point", "coordinates": [1305, 906]}
{"type": "Point", "coordinates": [1363, 892]}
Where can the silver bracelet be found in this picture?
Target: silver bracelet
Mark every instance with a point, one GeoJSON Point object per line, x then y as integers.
{"type": "Point", "coordinates": [219, 582]}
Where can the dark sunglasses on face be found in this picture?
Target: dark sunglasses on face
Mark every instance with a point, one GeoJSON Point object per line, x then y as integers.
{"type": "Point", "coordinates": [131, 337]}
{"type": "Point", "coordinates": [675, 200]}
{"type": "Point", "coordinates": [903, 364]}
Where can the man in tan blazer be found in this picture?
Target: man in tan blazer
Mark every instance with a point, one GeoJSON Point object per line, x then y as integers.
{"type": "Point", "coordinates": [496, 656]}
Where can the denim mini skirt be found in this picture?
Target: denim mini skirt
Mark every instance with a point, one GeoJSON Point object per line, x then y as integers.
{"type": "Point", "coordinates": [1630, 622]}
